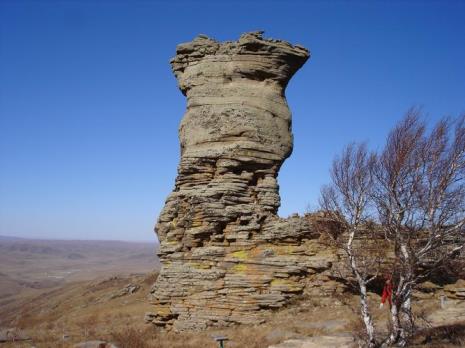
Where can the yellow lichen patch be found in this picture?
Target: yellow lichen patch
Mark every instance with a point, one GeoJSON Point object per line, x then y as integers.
{"type": "Point", "coordinates": [162, 310]}
{"type": "Point", "coordinates": [286, 285]}
{"type": "Point", "coordinates": [196, 223]}
{"type": "Point", "coordinates": [197, 219]}
{"type": "Point", "coordinates": [198, 265]}
{"type": "Point", "coordinates": [276, 282]}
{"type": "Point", "coordinates": [240, 254]}
{"type": "Point", "coordinates": [290, 249]}
{"type": "Point", "coordinates": [240, 267]}
{"type": "Point", "coordinates": [173, 223]}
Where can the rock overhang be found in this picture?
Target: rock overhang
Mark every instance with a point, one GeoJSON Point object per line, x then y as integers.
{"type": "Point", "coordinates": [251, 57]}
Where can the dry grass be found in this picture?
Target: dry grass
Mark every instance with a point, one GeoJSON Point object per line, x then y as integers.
{"type": "Point", "coordinates": [239, 337]}
{"type": "Point", "coordinates": [441, 336]}
{"type": "Point", "coordinates": [84, 311]}
{"type": "Point", "coordinates": [81, 311]}
{"type": "Point", "coordinates": [133, 338]}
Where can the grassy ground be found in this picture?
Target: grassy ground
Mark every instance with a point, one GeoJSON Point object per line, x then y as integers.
{"type": "Point", "coordinates": [85, 311]}
{"type": "Point", "coordinates": [90, 310]}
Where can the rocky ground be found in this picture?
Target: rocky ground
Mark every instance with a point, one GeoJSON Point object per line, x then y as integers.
{"type": "Point", "coordinates": [111, 310]}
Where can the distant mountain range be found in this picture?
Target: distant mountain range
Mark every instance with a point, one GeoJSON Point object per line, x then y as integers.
{"type": "Point", "coordinates": [13, 238]}
{"type": "Point", "coordinates": [5, 238]}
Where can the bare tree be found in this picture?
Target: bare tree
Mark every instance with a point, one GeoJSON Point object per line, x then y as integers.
{"type": "Point", "coordinates": [414, 190]}
{"type": "Point", "coordinates": [347, 201]}
{"type": "Point", "coordinates": [420, 196]}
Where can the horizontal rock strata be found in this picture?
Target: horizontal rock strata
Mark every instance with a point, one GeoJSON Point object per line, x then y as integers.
{"type": "Point", "coordinates": [226, 257]}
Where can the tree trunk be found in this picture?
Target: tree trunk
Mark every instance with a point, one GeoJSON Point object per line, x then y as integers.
{"type": "Point", "coordinates": [406, 316]}
{"type": "Point", "coordinates": [396, 329]}
{"type": "Point", "coordinates": [401, 316]}
{"type": "Point", "coordinates": [370, 330]}
{"type": "Point", "coordinates": [365, 311]}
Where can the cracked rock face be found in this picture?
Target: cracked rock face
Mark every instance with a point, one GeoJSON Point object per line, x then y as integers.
{"type": "Point", "coordinates": [225, 254]}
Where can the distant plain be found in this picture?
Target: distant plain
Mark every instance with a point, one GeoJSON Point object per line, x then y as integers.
{"type": "Point", "coordinates": [29, 267]}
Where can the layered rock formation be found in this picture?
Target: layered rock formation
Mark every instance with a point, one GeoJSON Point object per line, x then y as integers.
{"type": "Point", "coordinates": [225, 254]}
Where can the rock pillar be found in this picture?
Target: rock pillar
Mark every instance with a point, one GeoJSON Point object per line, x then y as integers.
{"type": "Point", "coordinates": [225, 254]}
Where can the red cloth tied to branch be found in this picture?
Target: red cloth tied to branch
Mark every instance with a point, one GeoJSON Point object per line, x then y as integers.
{"type": "Point", "coordinates": [387, 292]}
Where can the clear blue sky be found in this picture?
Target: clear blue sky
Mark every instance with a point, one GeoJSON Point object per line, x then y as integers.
{"type": "Point", "coordinates": [89, 108]}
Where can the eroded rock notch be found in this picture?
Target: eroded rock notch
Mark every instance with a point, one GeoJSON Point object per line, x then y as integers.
{"type": "Point", "coordinates": [225, 254]}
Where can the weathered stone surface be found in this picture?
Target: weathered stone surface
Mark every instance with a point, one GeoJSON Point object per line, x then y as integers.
{"type": "Point", "coordinates": [451, 312]}
{"type": "Point", "coordinates": [456, 291]}
{"type": "Point", "coordinates": [225, 254]}
{"type": "Point", "coordinates": [319, 342]}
